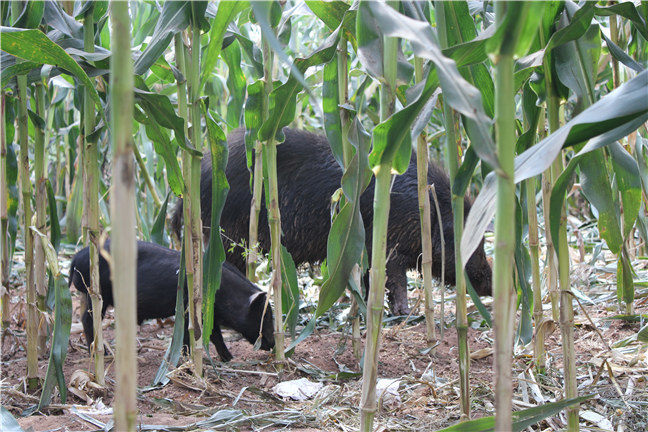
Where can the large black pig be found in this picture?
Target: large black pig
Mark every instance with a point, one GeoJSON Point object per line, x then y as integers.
{"type": "Point", "coordinates": [307, 177]}
{"type": "Point", "coordinates": [238, 304]}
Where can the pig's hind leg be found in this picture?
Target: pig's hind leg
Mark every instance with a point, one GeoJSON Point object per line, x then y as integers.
{"type": "Point", "coordinates": [397, 288]}
{"type": "Point", "coordinates": [217, 339]}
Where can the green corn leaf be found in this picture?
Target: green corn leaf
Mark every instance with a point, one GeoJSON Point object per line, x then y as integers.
{"type": "Point", "coordinates": [31, 15]}
{"type": "Point", "coordinates": [173, 352]}
{"type": "Point", "coordinates": [289, 291]}
{"type": "Point", "coordinates": [253, 119]}
{"type": "Point", "coordinates": [465, 172]}
{"type": "Point", "coordinates": [346, 240]}
{"type": "Point", "coordinates": [523, 273]}
{"type": "Point", "coordinates": [56, 18]}
{"type": "Point", "coordinates": [175, 17]}
{"type": "Point", "coordinates": [11, 167]}
{"type": "Point", "coordinates": [577, 61]}
{"type": "Point", "coordinates": [55, 228]}
{"type": "Point", "coordinates": [10, 70]}
{"type": "Point", "coordinates": [330, 12]}
{"type": "Point", "coordinates": [392, 139]}
{"type": "Point", "coordinates": [330, 102]}
{"type": "Point", "coordinates": [227, 11]}
{"type": "Point", "coordinates": [627, 10]}
{"type": "Point", "coordinates": [157, 230]}
{"type": "Point", "coordinates": [282, 100]}
{"type": "Point", "coordinates": [462, 96]}
{"type": "Point", "coordinates": [641, 153]}
{"type": "Point", "coordinates": [159, 107]}
{"type": "Point", "coordinates": [7, 422]}
{"type": "Point", "coordinates": [214, 255]}
{"type": "Point", "coordinates": [236, 84]}
{"type": "Point", "coordinates": [267, 13]}
{"type": "Point", "coordinates": [628, 183]}
{"type": "Point", "coordinates": [625, 278]}
{"type": "Point", "coordinates": [518, 30]}
{"type": "Point", "coordinates": [621, 56]}
{"type": "Point", "coordinates": [167, 150]}
{"type": "Point", "coordinates": [521, 419]}
{"type": "Point", "coordinates": [62, 324]}
{"type": "Point", "coordinates": [614, 116]}
{"type": "Point", "coordinates": [35, 46]}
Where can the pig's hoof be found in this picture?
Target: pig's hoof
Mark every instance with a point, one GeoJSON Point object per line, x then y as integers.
{"type": "Point", "coordinates": [398, 310]}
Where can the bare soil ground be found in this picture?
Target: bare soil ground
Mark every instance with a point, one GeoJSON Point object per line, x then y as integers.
{"type": "Point", "coordinates": [238, 395]}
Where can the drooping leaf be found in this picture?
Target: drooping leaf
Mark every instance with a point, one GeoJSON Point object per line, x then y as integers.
{"type": "Point", "coordinates": [518, 29]}
{"type": "Point", "coordinates": [175, 17]}
{"type": "Point", "coordinates": [227, 11]}
{"type": "Point", "coordinates": [392, 138]}
{"type": "Point", "coordinates": [31, 15]}
{"type": "Point", "coordinates": [621, 56]}
{"type": "Point", "coordinates": [462, 96]}
{"type": "Point", "coordinates": [521, 419]}
{"type": "Point", "coordinates": [236, 84]}
{"type": "Point", "coordinates": [56, 17]}
{"type": "Point", "coordinates": [627, 10]}
{"type": "Point", "coordinates": [62, 324]}
{"type": "Point", "coordinates": [289, 291]}
{"type": "Point", "coordinates": [346, 239]}
{"type": "Point", "coordinates": [157, 230]}
{"type": "Point", "coordinates": [628, 183]}
{"type": "Point", "coordinates": [330, 102]}
{"type": "Point", "coordinates": [253, 118]}
{"type": "Point", "coordinates": [282, 100]}
{"type": "Point", "coordinates": [34, 46]}
{"type": "Point", "coordinates": [7, 422]}
{"type": "Point", "coordinates": [614, 116]}
{"type": "Point", "coordinates": [55, 228]}
{"type": "Point", "coordinates": [173, 352]}
{"type": "Point", "coordinates": [214, 255]}
{"type": "Point", "coordinates": [167, 150]}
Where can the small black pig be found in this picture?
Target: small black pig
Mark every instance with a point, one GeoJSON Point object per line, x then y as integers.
{"type": "Point", "coordinates": [238, 303]}
{"type": "Point", "coordinates": [308, 175]}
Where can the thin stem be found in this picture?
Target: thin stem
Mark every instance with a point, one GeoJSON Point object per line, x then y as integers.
{"type": "Point", "coordinates": [147, 177]}
{"type": "Point", "coordinates": [91, 208]}
{"type": "Point", "coordinates": [26, 194]}
{"type": "Point", "coordinates": [426, 224]}
{"type": "Point", "coordinates": [4, 224]}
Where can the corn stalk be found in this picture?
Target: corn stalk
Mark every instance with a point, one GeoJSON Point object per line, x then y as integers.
{"type": "Point", "coordinates": [122, 209]}
{"type": "Point", "coordinates": [453, 159]}
{"type": "Point", "coordinates": [193, 89]}
{"type": "Point", "coordinates": [274, 215]}
{"type": "Point", "coordinates": [26, 194]}
{"type": "Point", "coordinates": [91, 207]}
{"type": "Point", "coordinates": [377, 277]}
{"type": "Point", "coordinates": [534, 249]}
{"type": "Point", "coordinates": [426, 224]}
{"type": "Point", "coordinates": [504, 229]}
{"type": "Point", "coordinates": [4, 225]}
{"type": "Point", "coordinates": [181, 62]}
{"type": "Point", "coordinates": [40, 161]}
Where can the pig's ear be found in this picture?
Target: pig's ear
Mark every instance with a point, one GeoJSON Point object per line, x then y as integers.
{"type": "Point", "coordinates": [258, 298]}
